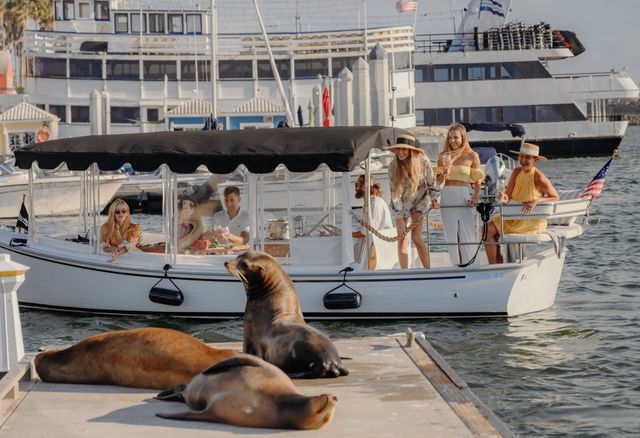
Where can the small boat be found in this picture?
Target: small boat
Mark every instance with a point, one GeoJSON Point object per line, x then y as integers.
{"type": "Point", "coordinates": [53, 194]}
{"type": "Point", "coordinates": [317, 251]}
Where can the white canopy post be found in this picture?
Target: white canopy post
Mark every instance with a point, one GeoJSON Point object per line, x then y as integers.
{"type": "Point", "coordinates": [347, 239]}
{"type": "Point", "coordinates": [12, 275]}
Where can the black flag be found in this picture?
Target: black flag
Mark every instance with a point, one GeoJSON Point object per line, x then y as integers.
{"type": "Point", "coordinates": [23, 217]}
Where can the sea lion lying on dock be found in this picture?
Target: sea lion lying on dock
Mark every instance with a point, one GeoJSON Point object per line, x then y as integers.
{"type": "Point", "coordinates": [274, 328]}
{"type": "Point", "coordinates": [247, 391]}
{"type": "Point", "coordinates": [149, 357]}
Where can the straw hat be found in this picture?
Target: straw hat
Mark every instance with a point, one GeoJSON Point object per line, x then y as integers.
{"type": "Point", "coordinates": [405, 142]}
{"type": "Point", "coordinates": [529, 149]}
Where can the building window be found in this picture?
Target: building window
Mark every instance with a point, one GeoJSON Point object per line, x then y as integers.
{"type": "Point", "coordinates": [483, 115]}
{"type": "Point", "coordinates": [156, 70]}
{"type": "Point", "coordinates": [125, 114]}
{"type": "Point", "coordinates": [423, 73]}
{"type": "Point", "coordinates": [444, 116]}
{"type": "Point", "coordinates": [59, 111]}
{"type": "Point", "coordinates": [58, 11]}
{"type": "Point", "coordinates": [68, 10]}
{"type": "Point", "coordinates": [176, 23]}
{"type": "Point", "coordinates": [153, 114]}
{"type": "Point", "coordinates": [235, 70]}
{"type": "Point", "coordinates": [337, 64]}
{"type": "Point", "coordinates": [310, 68]}
{"type": "Point", "coordinates": [79, 114]}
{"type": "Point", "coordinates": [85, 68]}
{"type": "Point", "coordinates": [446, 73]}
{"type": "Point", "coordinates": [264, 69]}
{"type": "Point", "coordinates": [402, 60]}
{"type": "Point", "coordinates": [156, 23]}
{"type": "Point", "coordinates": [403, 106]}
{"type": "Point", "coordinates": [101, 10]}
{"type": "Point", "coordinates": [84, 10]}
{"type": "Point", "coordinates": [194, 23]}
{"type": "Point", "coordinates": [122, 23]}
{"type": "Point", "coordinates": [19, 139]}
{"type": "Point", "coordinates": [480, 72]}
{"type": "Point", "coordinates": [123, 69]}
{"type": "Point", "coordinates": [135, 23]}
{"type": "Point", "coordinates": [50, 68]}
{"type": "Point", "coordinates": [188, 70]}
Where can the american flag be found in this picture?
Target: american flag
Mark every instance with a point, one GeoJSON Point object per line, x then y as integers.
{"type": "Point", "coordinates": [597, 183]}
{"type": "Point", "coordinates": [407, 6]}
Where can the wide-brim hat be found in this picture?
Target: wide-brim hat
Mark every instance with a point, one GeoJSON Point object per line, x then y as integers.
{"type": "Point", "coordinates": [530, 149]}
{"type": "Point", "coordinates": [405, 142]}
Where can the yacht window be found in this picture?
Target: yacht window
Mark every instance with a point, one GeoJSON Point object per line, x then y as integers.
{"type": "Point", "coordinates": [310, 68]}
{"type": "Point", "coordinates": [123, 69]}
{"type": "Point", "coordinates": [153, 114]}
{"type": "Point", "coordinates": [483, 115]}
{"type": "Point", "coordinates": [403, 106]}
{"type": "Point", "coordinates": [516, 114]}
{"type": "Point", "coordinates": [235, 70]}
{"type": "Point", "coordinates": [264, 69]}
{"type": "Point", "coordinates": [156, 23]}
{"type": "Point", "coordinates": [194, 23]}
{"type": "Point", "coordinates": [446, 73]}
{"type": "Point", "coordinates": [125, 114]}
{"type": "Point", "coordinates": [59, 11]}
{"type": "Point", "coordinates": [68, 10]}
{"type": "Point", "coordinates": [547, 113]}
{"type": "Point", "coordinates": [479, 72]}
{"type": "Point", "coordinates": [59, 111]}
{"type": "Point", "coordinates": [84, 10]}
{"type": "Point", "coordinates": [50, 68]}
{"type": "Point", "coordinates": [402, 60]}
{"type": "Point", "coordinates": [188, 70]}
{"type": "Point", "coordinates": [156, 70]}
{"type": "Point", "coordinates": [85, 68]}
{"type": "Point", "coordinates": [135, 23]}
{"type": "Point", "coordinates": [337, 64]}
{"type": "Point", "coordinates": [176, 24]}
{"type": "Point", "coordinates": [569, 111]}
{"type": "Point", "coordinates": [122, 23]}
{"type": "Point", "coordinates": [101, 10]}
{"type": "Point", "coordinates": [79, 114]}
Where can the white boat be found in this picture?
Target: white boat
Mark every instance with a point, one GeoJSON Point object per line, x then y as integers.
{"type": "Point", "coordinates": [53, 195]}
{"type": "Point", "coordinates": [316, 252]}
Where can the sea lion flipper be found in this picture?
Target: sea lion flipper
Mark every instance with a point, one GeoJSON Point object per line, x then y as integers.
{"type": "Point", "coordinates": [173, 394]}
{"type": "Point", "coordinates": [236, 361]}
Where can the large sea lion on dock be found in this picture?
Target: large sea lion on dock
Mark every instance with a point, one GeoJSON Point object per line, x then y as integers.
{"type": "Point", "coordinates": [274, 328]}
{"type": "Point", "coordinates": [247, 391]}
{"type": "Point", "coordinates": [149, 357]}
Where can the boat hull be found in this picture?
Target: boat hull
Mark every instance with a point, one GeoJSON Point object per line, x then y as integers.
{"type": "Point", "coordinates": [65, 281]}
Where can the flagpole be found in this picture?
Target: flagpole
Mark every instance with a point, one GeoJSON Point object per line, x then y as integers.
{"type": "Point", "coordinates": [415, 19]}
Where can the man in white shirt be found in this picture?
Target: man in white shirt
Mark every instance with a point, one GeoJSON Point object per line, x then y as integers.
{"type": "Point", "coordinates": [380, 219]}
{"type": "Point", "coordinates": [235, 220]}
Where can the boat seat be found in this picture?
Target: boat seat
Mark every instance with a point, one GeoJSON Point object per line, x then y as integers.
{"type": "Point", "coordinates": [568, 231]}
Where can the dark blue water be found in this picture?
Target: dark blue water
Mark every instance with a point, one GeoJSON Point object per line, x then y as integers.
{"type": "Point", "coordinates": [569, 371]}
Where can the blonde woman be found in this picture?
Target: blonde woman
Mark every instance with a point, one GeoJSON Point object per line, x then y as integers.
{"type": "Point", "coordinates": [459, 167]}
{"type": "Point", "coordinates": [413, 185]}
{"type": "Point", "coordinates": [118, 234]}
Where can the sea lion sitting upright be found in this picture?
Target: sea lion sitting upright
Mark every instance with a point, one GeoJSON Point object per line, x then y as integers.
{"type": "Point", "coordinates": [247, 391]}
{"type": "Point", "coordinates": [274, 328]}
{"type": "Point", "coordinates": [149, 357]}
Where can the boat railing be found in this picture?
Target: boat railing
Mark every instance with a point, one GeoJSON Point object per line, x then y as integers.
{"type": "Point", "coordinates": [345, 43]}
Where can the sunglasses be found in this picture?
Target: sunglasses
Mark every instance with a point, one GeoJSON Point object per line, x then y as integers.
{"type": "Point", "coordinates": [120, 211]}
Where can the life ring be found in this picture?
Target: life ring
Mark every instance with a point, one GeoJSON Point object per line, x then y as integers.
{"type": "Point", "coordinates": [42, 135]}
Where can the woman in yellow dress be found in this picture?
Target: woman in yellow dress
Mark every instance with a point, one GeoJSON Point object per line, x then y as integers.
{"type": "Point", "coordinates": [529, 186]}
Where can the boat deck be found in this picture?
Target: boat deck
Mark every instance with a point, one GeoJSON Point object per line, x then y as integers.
{"type": "Point", "coordinates": [392, 390]}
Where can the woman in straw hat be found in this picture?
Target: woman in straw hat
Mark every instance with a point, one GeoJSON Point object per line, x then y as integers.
{"type": "Point", "coordinates": [459, 166]}
{"type": "Point", "coordinates": [529, 186]}
{"type": "Point", "coordinates": [413, 184]}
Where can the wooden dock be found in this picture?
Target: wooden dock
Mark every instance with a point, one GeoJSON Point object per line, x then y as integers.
{"type": "Point", "coordinates": [393, 389]}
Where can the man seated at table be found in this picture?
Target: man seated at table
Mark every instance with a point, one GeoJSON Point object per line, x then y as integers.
{"type": "Point", "coordinates": [230, 225]}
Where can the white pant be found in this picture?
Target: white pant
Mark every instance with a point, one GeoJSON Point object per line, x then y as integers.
{"type": "Point", "coordinates": [459, 223]}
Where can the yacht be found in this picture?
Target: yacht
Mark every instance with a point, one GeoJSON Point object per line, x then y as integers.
{"type": "Point", "coordinates": [501, 75]}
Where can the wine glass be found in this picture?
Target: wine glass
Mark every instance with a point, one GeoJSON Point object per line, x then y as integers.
{"type": "Point", "coordinates": [446, 161]}
{"type": "Point", "coordinates": [225, 234]}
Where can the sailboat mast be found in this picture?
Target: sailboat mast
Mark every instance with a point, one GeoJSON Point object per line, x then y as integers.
{"type": "Point", "coordinates": [214, 59]}
{"type": "Point", "coordinates": [276, 74]}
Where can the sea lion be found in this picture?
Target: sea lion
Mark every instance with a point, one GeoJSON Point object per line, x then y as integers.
{"type": "Point", "coordinates": [154, 358]}
{"type": "Point", "coordinates": [274, 328]}
{"type": "Point", "coordinates": [247, 391]}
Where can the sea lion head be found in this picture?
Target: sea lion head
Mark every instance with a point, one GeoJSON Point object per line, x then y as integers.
{"type": "Point", "coordinates": [254, 268]}
{"type": "Point", "coordinates": [302, 412]}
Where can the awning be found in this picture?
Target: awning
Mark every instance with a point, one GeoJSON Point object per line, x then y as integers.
{"type": "Point", "coordinates": [260, 150]}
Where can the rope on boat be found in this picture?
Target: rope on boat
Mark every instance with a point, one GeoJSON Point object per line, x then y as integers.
{"type": "Point", "coordinates": [381, 236]}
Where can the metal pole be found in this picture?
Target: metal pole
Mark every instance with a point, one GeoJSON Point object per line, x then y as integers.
{"type": "Point", "coordinates": [214, 59]}
{"type": "Point", "coordinates": [276, 74]}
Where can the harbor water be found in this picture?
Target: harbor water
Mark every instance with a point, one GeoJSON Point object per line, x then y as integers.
{"type": "Point", "coordinates": [568, 371]}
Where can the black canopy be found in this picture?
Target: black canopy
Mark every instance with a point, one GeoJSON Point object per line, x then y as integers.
{"type": "Point", "coordinates": [260, 150]}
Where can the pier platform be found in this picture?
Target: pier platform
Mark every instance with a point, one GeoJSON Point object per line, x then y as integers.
{"type": "Point", "coordinates": [397, 386]}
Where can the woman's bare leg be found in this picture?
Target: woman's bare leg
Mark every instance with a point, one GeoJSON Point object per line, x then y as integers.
{"type": "Point", "coordinates": [403, 247]}
{"type": "Point", "coordinates": [491, 248]}
{"type": "Point", "coordinates": [418, 242]}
